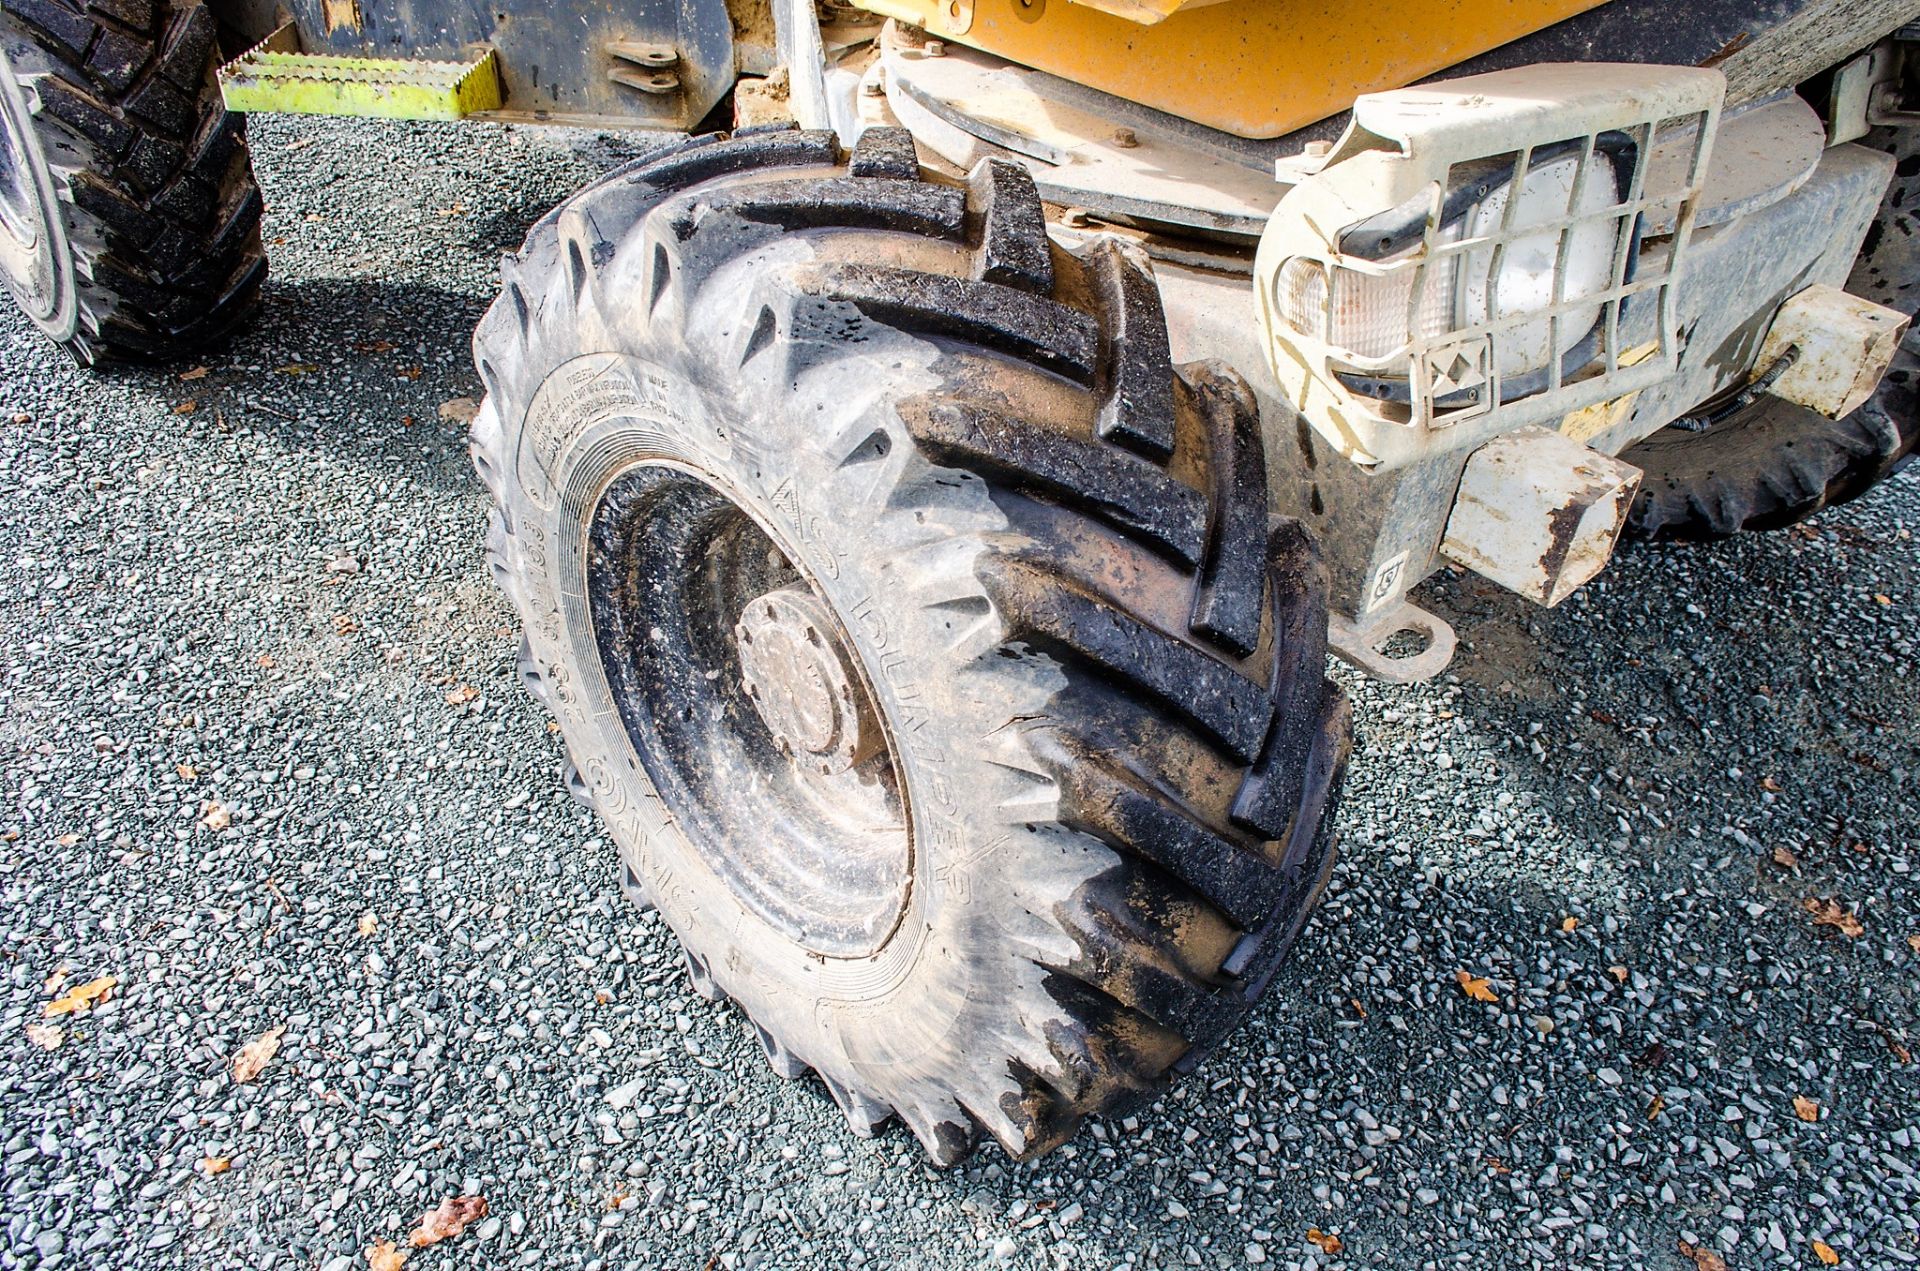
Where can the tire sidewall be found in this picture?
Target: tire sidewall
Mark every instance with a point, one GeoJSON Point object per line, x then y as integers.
{"type": "Point", "coordinates": [53, 304]}
{"type": "Point", "coordinates": [594, 416]}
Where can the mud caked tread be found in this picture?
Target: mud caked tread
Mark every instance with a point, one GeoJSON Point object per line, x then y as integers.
{"type": "Point", "coordinates": [161, 208]}
{"type": "Point", "coordinates": [1197, 746]}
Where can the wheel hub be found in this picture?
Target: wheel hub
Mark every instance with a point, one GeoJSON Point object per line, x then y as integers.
{"type": "Point", "coordinates": [802, 683]}
{"type": "Point", "coordinates": [747, 704]}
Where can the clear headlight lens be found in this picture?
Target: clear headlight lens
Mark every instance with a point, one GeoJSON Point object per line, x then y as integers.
{"type": "Point", "coordinates": [1481, 270]}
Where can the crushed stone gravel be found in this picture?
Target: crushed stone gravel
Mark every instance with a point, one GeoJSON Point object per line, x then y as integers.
{"type": "Point", "coordinates": [268, 765]}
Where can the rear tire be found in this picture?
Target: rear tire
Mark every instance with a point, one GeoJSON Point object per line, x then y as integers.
{"type": "Point", "coordinates": [129, 216]}
{"type": "Point", "coordinates": [1773, 463]}
{"type": "Point", "coordinates": [1004, 797]}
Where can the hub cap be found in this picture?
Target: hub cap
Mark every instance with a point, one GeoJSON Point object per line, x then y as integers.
{"type": "Point", "coordinates": [742, 699]}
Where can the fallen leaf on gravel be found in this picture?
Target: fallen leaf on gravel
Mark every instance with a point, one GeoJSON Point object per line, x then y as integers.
{"type": "Point", "coordinates": [298, 368]}
{"type": "Point", "coordinates": [197, 373]}
{"type": "Point", "coordinates": [1880, 598]}
{"type": "Point", "coordinates": [186, 771]}
{"type": "Point", "coordinates": [187, 407]}
{"type": "Point", "coordinates": [1828, 913]}
{"type": "Point", "coordinates": [1824, 1251]}
{"type": "Point", "coordinates": [1703, 1259]}
{"type": "Point", "coordinates": [344, 625]}
{"type": "Point", "coordinates": [1569, 923]}
{"type": "Point", "coordinates": [1475, 987]}
{"type": "Point", "coordinates": [462, 695]}
{"type": "Point", "coordinates": [1805, 1108]}
{"type": "Point", "coordinates": [460, 410]}
{"type": "Point", "coordinates": [214, 815]}
{"type": "Point", "coordinates": [448, 1220]}
{"type": "Point", "coordinates": [382, 1256]}
{"type": "Point", "coordinates": [216, 1164]}
{"type": "Point", "coordinates": [67, 840]}
{"type": "Point", "coordinates": [1618, 972]}
{"type": "Point", "coordinates": [1655, 1108]}
{"type": "Point", "coordinates": [1326, 1240]}
{"type": "Point", "coordinates": [57, 979]}
{"type": "Point", "coordinates": [84, 998]}
{"type": "Point", "coordinates": [411, 372]}
{"type": "Point", "coordinates": [368, 923]}
{"type": "Point", "coordinates": [256, 1055]}
{"type": "Point", "coordinates": [1913, 942]}
{"type": "Point", "coordinates": [1785, 859]}
{"type": "Point", "coordinates": [46, 1036]}
{"type": "Point", "coordinates": [265, 662]}
{"type": "Point", "coordinates": [373, 346]}
{"type": "Point", "coordinates": [1770, 785]}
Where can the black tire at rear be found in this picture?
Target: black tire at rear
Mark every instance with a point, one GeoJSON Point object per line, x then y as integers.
{"type": "Point", "coordinates": [1772, 463]}
{"type": "Point", "coordinates": [1100, 666]}
{"type": "Point", "coordinates": [139, 180]}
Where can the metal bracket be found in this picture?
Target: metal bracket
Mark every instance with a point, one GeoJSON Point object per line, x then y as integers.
{"type": "Point", "coordinates": [1365, 647]}
{"type": "Point", "coordinates": [650, 68]}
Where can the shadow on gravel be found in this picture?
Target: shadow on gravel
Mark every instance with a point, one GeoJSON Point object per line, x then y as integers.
{"type": "Point", "coordinates": [356, 366]}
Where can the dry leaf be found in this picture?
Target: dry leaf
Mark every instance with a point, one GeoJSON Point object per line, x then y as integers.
{"type": "Point", "coordinates": [265, 662]}
{"type": "Point", "coordinates": [382, 1256]}
{"type": "Point", "coordinates": [197, 373]}
{"type": "Point", "coordinates": [1655, 1108]}
{"type": "Point", "coordinates": [368, 923]}
{"type": "Point", "coordinates": [187, 407]}
{"type": "Point", "coordinates": [1828, 913]}
{"type": "Point", "coordinates": [54, 981]}
{"type": "Point", "coordinates": [344, 625]}
{"type": "Point", "coordinates": [411, 372]}
{"type": "Point", "coordinates": [1785, 859]}
{"type": "Point", "coordinates": [1805, 1108]}
{"type": "Point", "coordinates": [257, 1054]}
{"type": "Point", "coordinates": [214, 815]}
{"type": "Point", "coordinates": [215, 1165]}
{"type": "Point", "coordinates": [1618, 972]}
{"type": "Point", "coordinates": [1475, 987]}
{"type": "Point", "coordinates": [1882, 599]}
{"type": "Point", "coordinates": [186, 771]}
{"type": "Point", "coordinates": [1703, 1259]}
{"type": "Point", "coordinates": [1569, 923]}
{"type": "Point", "coordinates": [84, 998]}
{"type": "Point", "coordinates": [46, 1036]}
{"type": "Point", "coordinates": [1326, 1240]}
{"type": "Point", "coordinates": [448, 1220]}
{"type": "Point", "coordinates": [462, 695]}
{"type": "Point", "coordinates": [67, 840]}
{"type": "Point", "coordinates": [1824, 1251]}
{"type": "Point", "coordinates": [298, 368]}
{"type": "Point", "coordinates": [460, 410]}
{"type": "Point", "coordinates": [373, 346]}
{"type": "Point", "coordinates": [1913, 942]}
{"type": "Point", "coordinates": [1770, 785]}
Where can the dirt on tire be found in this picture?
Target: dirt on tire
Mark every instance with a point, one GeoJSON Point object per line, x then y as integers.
{"type": "Point", "coordinates": [1101, 665]}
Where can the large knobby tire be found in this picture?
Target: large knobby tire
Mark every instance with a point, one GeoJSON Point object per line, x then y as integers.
{"type": "Point", "coordinates": [129, 216]}
{"type": "Point", "coordinates": [916, 626]}
{"type": "Point", "coordinates": [1772, 463]}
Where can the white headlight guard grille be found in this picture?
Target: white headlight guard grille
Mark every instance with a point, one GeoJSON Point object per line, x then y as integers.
{"type": "Point", "coordinates": [1413, 301]}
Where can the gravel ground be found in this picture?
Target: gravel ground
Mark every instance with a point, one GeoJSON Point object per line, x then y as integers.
{"type": "Point", "coordinates": [269, 766]}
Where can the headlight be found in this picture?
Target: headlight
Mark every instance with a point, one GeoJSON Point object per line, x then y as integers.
{"type": "Point", "coordinates": [1471, 253]}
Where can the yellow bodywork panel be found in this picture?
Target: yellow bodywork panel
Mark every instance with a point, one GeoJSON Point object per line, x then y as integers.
{"type": "Point", "coordinates": [1254, 68]}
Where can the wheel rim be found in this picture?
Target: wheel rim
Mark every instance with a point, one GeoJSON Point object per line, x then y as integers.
{"type": "Point", "coordinates": [742, 699]}
{"type": "Point", "coordinates": [30, 247]}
